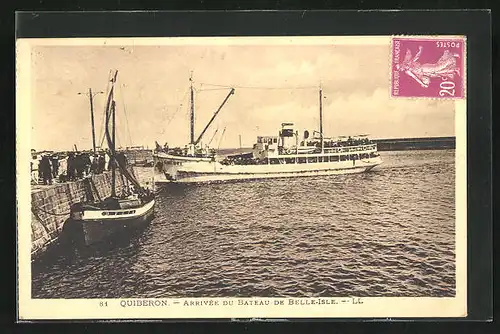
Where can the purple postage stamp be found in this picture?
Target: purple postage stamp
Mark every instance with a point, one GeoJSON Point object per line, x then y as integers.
{"type": "Point", "coordinates": [428, 67]}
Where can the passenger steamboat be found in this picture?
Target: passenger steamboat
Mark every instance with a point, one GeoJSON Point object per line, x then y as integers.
{"type": "Point", "coordinates": [287, 154]}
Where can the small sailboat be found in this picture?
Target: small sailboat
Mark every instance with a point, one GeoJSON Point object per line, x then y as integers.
{"type": "Point", "coordinates": [97, 220]}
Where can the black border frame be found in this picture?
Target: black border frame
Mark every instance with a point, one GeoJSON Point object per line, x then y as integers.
{"type": "Point", "coordinates": [475, 24]}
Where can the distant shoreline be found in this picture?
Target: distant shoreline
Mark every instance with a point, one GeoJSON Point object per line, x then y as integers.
{"type": "Point", "coordinates": [406, 144]}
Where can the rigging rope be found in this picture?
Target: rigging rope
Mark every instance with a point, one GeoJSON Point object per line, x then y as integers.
{"type": "Point", "coordinates": [101, 140]}
{"type": "Point", "coordinates": [125, 112]}
{"type": "Point", "coordinates": [40, 221]}
{"type": "Point", "coordinates": [49, 213]}
{"type": "Point", "coordinates": [210, 89]}
{"type": "Point", "coordinates": [220, 139]}
{"type": "Point", "coordinates": [112, 152]}
{"type": "Point", "coordinates": [259, 87]}
{"type": "Point", "coordinates": [178, 108]}
{"type": "Point", "coordinates": [118, 141]}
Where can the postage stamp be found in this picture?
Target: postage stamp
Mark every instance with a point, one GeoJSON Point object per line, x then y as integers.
{"type": "Point", "coordinates": [428, 67]}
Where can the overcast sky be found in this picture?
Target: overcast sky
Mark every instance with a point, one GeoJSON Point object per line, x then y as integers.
{"type": "Point", "coordinates": [154, 81]}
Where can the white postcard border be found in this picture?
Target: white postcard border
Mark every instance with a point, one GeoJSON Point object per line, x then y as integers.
{"type": "Point", "coordinates": [346, 307]}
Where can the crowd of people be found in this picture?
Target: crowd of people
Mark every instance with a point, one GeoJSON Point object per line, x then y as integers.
{"type": "Point", "coordinates": [47, 168]}
{"type": "Point", "coordinates": [338, 143]}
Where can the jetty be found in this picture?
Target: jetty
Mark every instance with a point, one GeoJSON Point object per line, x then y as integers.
{"type": "Point", "coordinates": [404, 144]}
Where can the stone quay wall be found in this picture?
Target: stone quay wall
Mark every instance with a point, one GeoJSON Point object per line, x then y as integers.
{"type": "Point", "coordinates": [50, 206]}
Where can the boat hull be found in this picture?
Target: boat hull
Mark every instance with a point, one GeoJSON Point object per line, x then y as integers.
{"type": "Point", "coordinates": [201, 172]}
{"type": "Point", "coordinates": [91, 231]}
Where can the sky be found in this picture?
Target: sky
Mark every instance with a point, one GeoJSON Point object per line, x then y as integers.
{"type": "Point", "coordinates": [273, 84]}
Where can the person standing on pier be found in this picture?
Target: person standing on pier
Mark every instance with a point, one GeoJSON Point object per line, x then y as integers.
{"type": "Point", "coordinates": [71, 167]}
{"type": "Point", "coordinates": [95, 164]}
{"type": "Point", "coordinates": [111, 163]}
{"type": "Point", "coordinates": [91, 163]}
{"type": "Point", "coordinates": [101, 164]}
{"type": "Point", "coordinates": [34, 169]}
{"type": "Point", "coordinates": [46, 170]}
{"type": "Point", "coordinates": [40, 168]}
{"type": "Point", "coordinates": [87, 163]}
{"type": "Point", "coordinates": [55, 166]}
{"type": "Point", "coordinates": [76, 165]}
{"type": "Point", "coordinates": [63, 167]}
{"type": "Point", "coordinates": [122, 159]}
{"type": "Point", "coordinates": [39, 160]}
{"type": "Point", "coordinates": [106, 161]}
{"type": "Point", "coordinates": [79, 165]}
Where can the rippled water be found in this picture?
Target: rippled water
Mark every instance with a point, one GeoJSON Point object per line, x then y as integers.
{"type": "Point", "coordinates": [389, 232]}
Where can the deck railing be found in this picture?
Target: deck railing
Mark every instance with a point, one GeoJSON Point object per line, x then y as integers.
{"type": "Point", "coordinates": [360, 148]}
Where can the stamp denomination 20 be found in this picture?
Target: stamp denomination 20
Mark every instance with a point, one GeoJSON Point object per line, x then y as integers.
{"type": "Point", "coordinates": [428, 67]}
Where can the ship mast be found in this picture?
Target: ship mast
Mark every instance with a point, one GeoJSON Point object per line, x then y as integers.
{"type": "Point", "coordinates": [321, 117]}
{"type": "Point", "coordinates": [113, 158]}
{"type": "Point", "coordinates": [194, 142]}
{"type": "Point", "coordinates": [91, 98]}
{"type": "Point", "coordinates": [192, 108]}
{"type": "Point", "coordinates": [113, 138]}
{"type": "Point", "coordinates": [111, 116]}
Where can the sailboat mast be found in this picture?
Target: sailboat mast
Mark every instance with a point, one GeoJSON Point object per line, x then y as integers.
{"type": "Point", "coordinates": [321, 117]}
{"type": "Point", "coordinates": [113, 139]}
{"type": "Point", "coordinates": [192, 109]}
{"type": "Point", "coordinates": [91, 97]}
{"type": "Point", "coordinates": [113, 165]}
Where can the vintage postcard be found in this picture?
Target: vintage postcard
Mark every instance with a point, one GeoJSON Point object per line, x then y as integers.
{"type": "Point", "coordinates": [242, 177]}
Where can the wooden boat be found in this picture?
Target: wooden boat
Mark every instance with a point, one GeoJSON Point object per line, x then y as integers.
{"type": "Point", "coordinates": [98, 220]}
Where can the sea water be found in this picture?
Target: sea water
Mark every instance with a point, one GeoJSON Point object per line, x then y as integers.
{"type": "Point", "coordinates": [389, 232]}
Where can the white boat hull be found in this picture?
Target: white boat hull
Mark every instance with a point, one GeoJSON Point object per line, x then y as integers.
{"type": "Point", "coordinates": [95, 226]}
{"type": "Point", "coordinates": [213, 171]}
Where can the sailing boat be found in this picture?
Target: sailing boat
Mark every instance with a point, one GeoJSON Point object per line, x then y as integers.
{"type": "Point", "coordinates": [97, 220]}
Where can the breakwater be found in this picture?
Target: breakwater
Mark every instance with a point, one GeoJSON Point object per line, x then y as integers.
{"type": "Point", "coordinates": [50, 206]}
{"type": "Point", "coordinates": [403, 144]}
